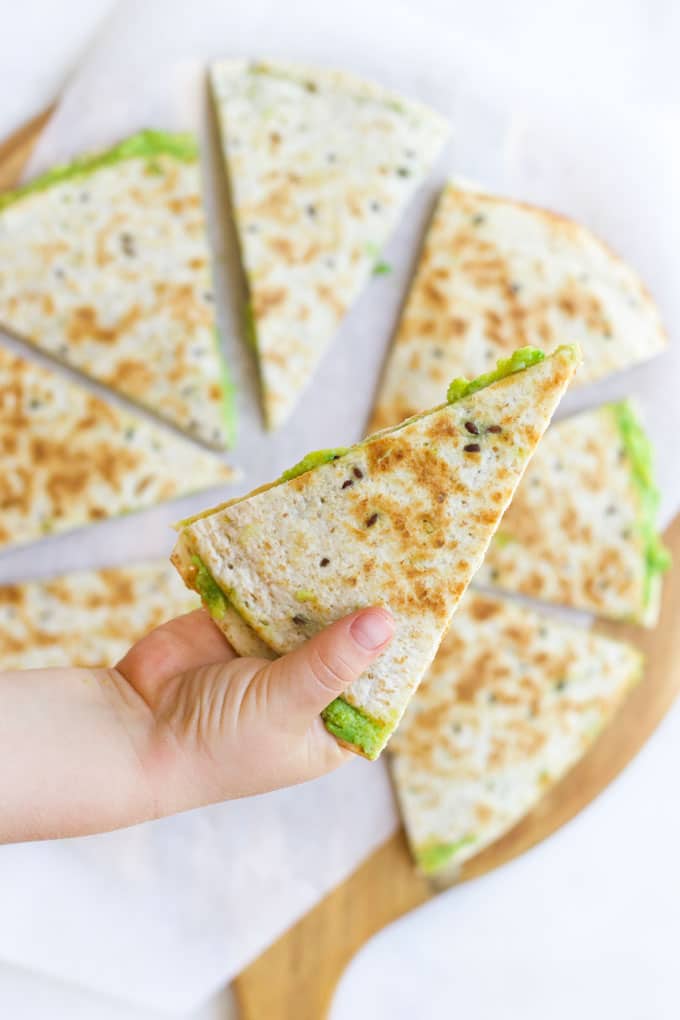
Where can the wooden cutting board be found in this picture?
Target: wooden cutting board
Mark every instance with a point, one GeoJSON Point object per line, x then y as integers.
{"type": "Point", "coordinates": [295, 978]}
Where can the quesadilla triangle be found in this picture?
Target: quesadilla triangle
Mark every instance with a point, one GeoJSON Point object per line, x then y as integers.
{"type": "Point", "coordinates": [104, 264]}
{"type": "Point", "coordinates": [511, 702]}
{"type": "Point", "coordinates": [70, 458]}
{"type": "Point", "coordinates": [495, 274]}
{"type": "Point", "coordinates": [321, 165]}
{"type": "Point", "coordinates": [88, 618]}
{"type": "Point", "coordinates": [402, 519]}
{"type": "Point", "coordinates": [581, 530]}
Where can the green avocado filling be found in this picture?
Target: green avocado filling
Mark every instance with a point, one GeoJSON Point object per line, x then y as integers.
{"type": "Point", "coordinates": [459, 388]}
{"type": "Point", "coordinates": [433, 856]}
{"type": "Point", "coordinates": [312, 460]}
{"type": "Point", "coordinates": [641, 456]}
{"type": "Point", "coordinates": [214, 599]}
{"type": "Point", "coordinates": [355, 727]}
{"type": "Point", "coordinates": [522, 358]}
{"type": "Point", "coordinates": [249, 327]}
{"type": "Point", "coordinates": [143, 145]}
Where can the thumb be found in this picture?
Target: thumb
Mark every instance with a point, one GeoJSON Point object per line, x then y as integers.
{"type": "Point", "coordinates": [305, 681]}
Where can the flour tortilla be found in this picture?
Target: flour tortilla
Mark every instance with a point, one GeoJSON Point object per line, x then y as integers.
{"type": "Point", "coordinates": [495, 274]}
{"type": "Point", "coordinates": [88, 618]}
{"type": "Point", "coordinates": [105, 265]}
{"type": "Point", "coordinates": [511, 702]}
{"type": "Point", "coordinates": [70, 458]}
{"type": "Point", "coordinates": [321, 165]}
{"type": "Point", "coordinates": [581, 529]}
{"type": "Point", "coordinates": [402, 520]}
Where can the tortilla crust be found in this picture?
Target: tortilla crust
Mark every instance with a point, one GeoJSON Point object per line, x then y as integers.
{"type": "Point", "coordinates": [495, 274]}
{"type": "Point", "coordinates": [321, 165]}
{"type": "Point", "coordinates": [70, 458]}
{"type": "Point", "coordinates": [401, 520]}
{"type": "Point", "coordinates": [511, 702]}
{"type": "Point", "coordinates": [105, 265]}
{"type": "Point", "coordinates": [572, 534]}
{"type": "Point", "coordinates": [89, 618]}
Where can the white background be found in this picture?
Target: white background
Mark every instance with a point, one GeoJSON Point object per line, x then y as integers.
{"type": "Point", "coordinates": [587, 924]}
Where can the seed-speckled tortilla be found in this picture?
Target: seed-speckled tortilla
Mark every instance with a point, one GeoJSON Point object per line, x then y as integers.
{"type": "Point", "coordinates": [88, 618]}
{"type": "Point", "coordinates": [70, 458]}
{"type": "Point", "coordinates": [402, 520]}
{"type": "Point", "coordinates": [105, 265]}
{"type": "Point", "coordinates": [321, 165]}
{"type": "Point", "coordinates": [511, 702]}
{"type": "Point", "coordinates": [581, 529]}
{"type": "Point", "coordinates": [495, 274]}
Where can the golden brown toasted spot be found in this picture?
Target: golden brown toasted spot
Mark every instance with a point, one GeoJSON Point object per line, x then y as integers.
{"type": "Point", "coordinates": [278, 205]}
{"type": "Point", "coordinates": [102, 254]}
{"type": "Point", "coordinates": [457, 326]}
{"type": "Point", "coordinates": [483, 813]}
{"type": "Point", "coordinates": [486, 516]}
{"type": "Point", "coordinates": [534, 583]}
{"type": "Point", "coordinates": [265, 299]}
{"type": "Point", "coordinates": [181, 204]}
{"type": "Point", "coordinates": [183, 303]}
{"type": "Point", "coordinates": [133, 376]}
{"type": "Point", "coordinates": [474, 677]}
{"type": "Point", "coordinates": [482, 609]}
{"type": "Point", "coordinates": [442, 426]}
{"type": "Point", "coordinates": [576, 302]}
{"type": "Point", "coordinates": [284, 247]}
{"type": "Point", "coordinates": [433, 294]}
{"type": "Point", "coordinates": [83, 324]}
{"type": "Point", "coordinates": [119, 589]}
{"type": "Point", "coordinates": [328, 296]}
{"type": "Point", "coordinates": [11, 595]}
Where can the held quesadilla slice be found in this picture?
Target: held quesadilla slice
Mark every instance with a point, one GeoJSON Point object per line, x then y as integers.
{"type": "Point", "coordinates": [495, 274]}
{"type": "Point", "coordinates": [104, 264]}
{"type": "Point", "coordinates": [511, 702]}
{"type": "Point", "coordinates": [70, 458]}
{"type": "Point", "coordinates": [402, 519]}
{"type": "Point", "coordinates": [88, 618]}
{"type": "Point", "coordinates": [581, 530]}
{"type": "Point", "coordinates": [321, 165]}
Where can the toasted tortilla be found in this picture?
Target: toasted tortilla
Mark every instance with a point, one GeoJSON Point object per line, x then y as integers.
{"type": "Point", "coordinates": [402, 519]}
{"type": "Point", "coordinates": [511, 702]}
{"type": "Point", "coordinates": [321, 165]}
{"type": "Point", "coordinates": [495, 274]}
{"type": "Point", "coordinates": [581, 530]}
{"type": "Point", "coordinates": [88, 618]}
{"type": "Point", "coordinates": [70, 458]}
{"type": "Point", "coordinates": [104, 264]}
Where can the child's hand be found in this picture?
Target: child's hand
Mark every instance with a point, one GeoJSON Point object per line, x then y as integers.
{"type": "Point", "coordinates": [181, 721]}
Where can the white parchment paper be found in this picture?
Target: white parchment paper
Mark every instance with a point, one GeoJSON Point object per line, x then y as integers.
{"type": "Point", "coordinates": [164, 913]}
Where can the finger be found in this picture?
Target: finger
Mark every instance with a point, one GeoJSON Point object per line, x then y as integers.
{"type": "Point", "coordinates": [180, 645]}
{"type": "Point", "coordinates": [305, 681]}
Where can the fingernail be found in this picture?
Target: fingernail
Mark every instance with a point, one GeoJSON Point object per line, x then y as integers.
{"type": "Point", "coordinates": [372, 629]}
